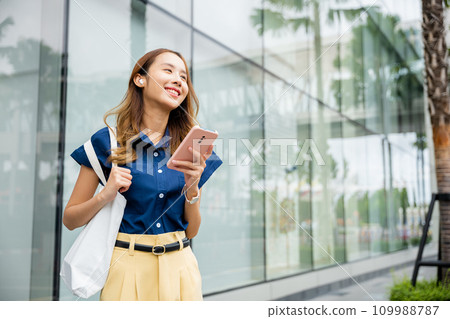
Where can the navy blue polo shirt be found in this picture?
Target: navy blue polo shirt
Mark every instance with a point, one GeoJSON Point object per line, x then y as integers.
{"type": "Point", "coordinates": [154, 201]}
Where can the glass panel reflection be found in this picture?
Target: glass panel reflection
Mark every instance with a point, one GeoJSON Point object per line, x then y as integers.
{"type": "Point", "coordinates": [288, 199]}
{"type": "Point", "coordinates": [231, 24]}
{"type": "Point", "coordinates": [355, 184]}
{"type": "Point", "coordinates": [230, 244]}
{"type": "Point", "coordinates": [30, 67]}
{"type": "Point", "coordinates": [376, 197]}
{"type": "Point", "coordinates": [18, 126]}
{"type": "Point", "coordinates": [327, 191]}
{"type": "Point", "coordinates": [325, 74]}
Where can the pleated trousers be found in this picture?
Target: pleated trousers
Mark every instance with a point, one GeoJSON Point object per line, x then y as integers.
{"type": "Point", "coordinates": [139, 275]}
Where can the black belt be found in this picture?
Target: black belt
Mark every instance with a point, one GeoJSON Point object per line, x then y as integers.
{"type": "Point", "coordinates": [156, 250]}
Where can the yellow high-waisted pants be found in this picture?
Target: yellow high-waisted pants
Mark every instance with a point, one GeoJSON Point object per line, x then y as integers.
{"type": "Point", "coordinates": [140, 275]}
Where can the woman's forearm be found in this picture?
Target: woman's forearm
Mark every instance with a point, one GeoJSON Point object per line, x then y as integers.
{"type": "Point", "coordinates": [192, 215]}
{"type": "Point", "coordinates": [80, 214]}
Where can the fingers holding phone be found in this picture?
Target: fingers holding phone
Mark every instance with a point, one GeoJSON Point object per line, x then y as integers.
{"type": "Point", "coordinates": [209, 152]}
{"type": "Point", "coordinates": [192, 170]}
{"type": "Point", "coordinates": [199, 158]}
{"type": "Point", "coordinates": [196, 146]}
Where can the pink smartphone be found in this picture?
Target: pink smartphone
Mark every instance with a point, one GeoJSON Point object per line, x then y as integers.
{"type": "Point", "coordinates": [200, 140]}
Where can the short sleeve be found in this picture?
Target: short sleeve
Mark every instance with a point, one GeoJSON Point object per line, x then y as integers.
{"type": "Point", "coordinates": [101, 143]}
{"type": "Point", "coordinates": [212, 163]}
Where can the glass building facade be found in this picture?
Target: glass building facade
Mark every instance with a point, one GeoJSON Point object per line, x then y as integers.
{"type": "Point", "coordinates": [319, 106]}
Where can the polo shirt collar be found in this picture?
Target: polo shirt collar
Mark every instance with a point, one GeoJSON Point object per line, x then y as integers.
{"type": "Point", "coordinates": [164, 142]}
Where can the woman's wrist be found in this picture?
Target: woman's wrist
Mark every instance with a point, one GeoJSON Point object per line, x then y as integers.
{"type": "Point", "coordinates": [192, 191]}
{"type": "Point", "coordinates": [103, 198]}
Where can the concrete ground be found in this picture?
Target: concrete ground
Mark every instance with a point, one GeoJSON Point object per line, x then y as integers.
{"type": "Point", "coordinates": [378, 287]}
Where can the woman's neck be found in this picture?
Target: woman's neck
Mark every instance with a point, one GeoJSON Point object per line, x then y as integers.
{"type": "Point", "coordinates": [154, 125]}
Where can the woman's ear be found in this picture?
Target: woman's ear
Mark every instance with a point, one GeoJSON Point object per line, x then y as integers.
{"type": "Point", "coordinates": [139, 81]}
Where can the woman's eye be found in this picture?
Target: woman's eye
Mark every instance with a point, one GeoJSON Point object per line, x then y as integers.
{"type": "Point", "coordinates": [170, 71]}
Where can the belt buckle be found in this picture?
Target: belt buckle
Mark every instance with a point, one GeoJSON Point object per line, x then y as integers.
{"type": "Point", "coordinates": [158, 254]}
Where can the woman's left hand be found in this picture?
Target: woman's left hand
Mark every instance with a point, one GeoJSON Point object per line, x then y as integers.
{"type": "Point", "coordinates": [193, 170]}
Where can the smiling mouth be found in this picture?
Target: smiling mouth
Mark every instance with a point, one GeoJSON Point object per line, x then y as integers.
{"type": "Point", "coordinates": [173, 92]}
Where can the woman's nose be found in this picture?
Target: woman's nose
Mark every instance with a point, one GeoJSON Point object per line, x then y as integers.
{"type": "Point", "coordinates": [176, 79]}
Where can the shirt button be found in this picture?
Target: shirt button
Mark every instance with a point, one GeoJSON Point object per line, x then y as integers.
{"type": "Point", "coordinates": [161, 195]}
{"type": "Point", "coordinates": [158, 225]}
{"type": "Point", "coordinates": [160, 171]}
{"type": "Point", "coordinates": [155, 154]}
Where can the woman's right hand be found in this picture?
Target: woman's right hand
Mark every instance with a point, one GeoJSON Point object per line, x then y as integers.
{"type": "Point", "coordinates": [119, 180]}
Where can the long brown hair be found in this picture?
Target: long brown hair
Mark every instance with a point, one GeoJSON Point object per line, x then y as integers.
{"type": "Point", "coordinates": [131, 109]}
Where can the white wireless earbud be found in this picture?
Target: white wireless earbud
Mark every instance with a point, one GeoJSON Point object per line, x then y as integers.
{"type": "Point", "coordinates": [141, 81]}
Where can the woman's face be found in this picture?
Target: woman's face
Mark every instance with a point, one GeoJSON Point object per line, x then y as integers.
{"type": "Point", "coordinates": [166, 84]}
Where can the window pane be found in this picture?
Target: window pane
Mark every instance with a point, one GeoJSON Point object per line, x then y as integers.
{"type": "Point", "coordinates": [231, 24]}
{"type": "Point", "coordinates": [356, 212]}
{"type": "Point", "coordinates": [327, 191]}
{"type": "Point", "coordinates": [20, 69]}
{"type": "Point", "coordinates": [30, 67]}
{"type": "Point", "coordinates": [288, 186]}
{"type": "Point", "coordinates": [229, 246]}
{"type": "Point", "coordinates": [376, 194]}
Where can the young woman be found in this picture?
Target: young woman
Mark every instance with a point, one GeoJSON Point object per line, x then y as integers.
{"type": "Point", "coordinates": [155, 115]}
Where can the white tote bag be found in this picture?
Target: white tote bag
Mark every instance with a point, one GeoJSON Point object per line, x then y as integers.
{"type": "Point", "coordinates": [86, 265]}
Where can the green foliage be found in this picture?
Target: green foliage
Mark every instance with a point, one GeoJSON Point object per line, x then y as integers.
{"type": "Point", "coordinates": [274, 20]}
{"type": "Point", "coordinates": [370, 59]}
{"type": "Point", "coordinates": [363, 208]}
{"type": "Point", "coordinates": [378, 204]}
{"type": "Point", "coordinates": [291, 15]}
{"type": "Point", "coordinates": [425, 290]}
{"type": "Point", "coordinates": [415, 241]}
{"type": "Point", "coordinates": [349, 14]}
{"type": "Point", "coordinates": [340, 209]}
{"type": "Point", "coordinates": [421, 141]}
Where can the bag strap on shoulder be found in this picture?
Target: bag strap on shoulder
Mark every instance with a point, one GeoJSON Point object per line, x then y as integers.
{"type": "Point", "coordinates": [113, 141]}
{"type": "Point", "coordinates": [92, 156]}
